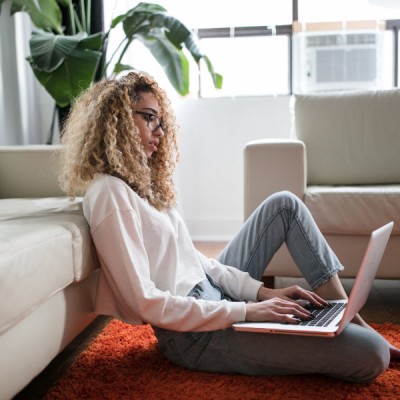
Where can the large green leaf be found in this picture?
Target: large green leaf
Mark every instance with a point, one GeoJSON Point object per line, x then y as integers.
{"type": "Point", "coordinates": [175, 30]}
{"type": "Point", "coordinates": [45, 14]}
{"type": "Point", "coordinates": [217, 78]}
{"type": "Point", "coordinates": [73, 76]}
{"type": "Point", "coordinates": [139, 18]}
{"type": "Point", "coordinates": [48, 50]}
{"type": "Point", "coordinates": [93, 41]}
{"type": "Point", "coordinates": [197, 54]}
{"type": "Point", "coordinates": [165, 36]}
{"type": "Point", "coordinates": [172, 59]}
{"type": "Point", "coordinates": [77, 62]}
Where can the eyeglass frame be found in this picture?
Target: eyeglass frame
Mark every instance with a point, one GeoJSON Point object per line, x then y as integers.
{"type": "Point", "coordinates": [161, 124]}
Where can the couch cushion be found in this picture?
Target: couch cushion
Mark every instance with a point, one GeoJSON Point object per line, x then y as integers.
{"type": "Point", "coordinates": [350, 137]}
{"type": "Point", "coordinates": [29, 171]}
{"type": "Point", "coordinates": [35, 262]}
{"type": "Point", "coordinates": [354, 210]}
{"type": "Point", "coordinates": [59, 212]}
{"type": "Point", "coordinates": [45, 245]}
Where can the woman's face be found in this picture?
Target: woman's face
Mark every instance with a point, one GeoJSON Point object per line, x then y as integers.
{"type": "Point", "coordinates": [147, 118]}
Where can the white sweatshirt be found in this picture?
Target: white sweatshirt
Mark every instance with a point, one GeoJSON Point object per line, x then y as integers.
{"type": "Point", "coordinates": [149, 264]}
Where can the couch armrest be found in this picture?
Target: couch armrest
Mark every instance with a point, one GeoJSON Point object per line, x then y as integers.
{"type": "Point", "coordinates": [29, 171]}
{"type": "Point", "coordinates": [272, 165]}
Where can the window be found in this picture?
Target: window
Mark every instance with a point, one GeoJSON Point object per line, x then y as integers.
{"type": "Point", "coordinates": [206, 14]}
{"type": "Point", "coordinates": [266, 47]}
{"type": "Point", "coordinates": [251, 65]}
{"type": "Point", "coordinates": [344, 10]}
{"type": "Point", "coordinates": [252, 50]}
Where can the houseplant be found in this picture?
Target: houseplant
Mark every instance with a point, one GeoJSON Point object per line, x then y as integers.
{"type": "Point", "coordinates": [66, 57]}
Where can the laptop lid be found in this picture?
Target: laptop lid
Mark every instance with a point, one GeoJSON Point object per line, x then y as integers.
{"type": "Point", "coordinates": [359, 294]}
{"type": "Point", "coordinates": [366, 274]}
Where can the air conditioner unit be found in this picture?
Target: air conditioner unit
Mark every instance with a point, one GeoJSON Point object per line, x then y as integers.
{"type": "Point", "coordinates": [337, 61]}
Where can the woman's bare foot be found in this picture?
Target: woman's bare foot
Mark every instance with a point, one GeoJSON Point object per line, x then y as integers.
{"type": "Point", "coordinates": [394, 351]}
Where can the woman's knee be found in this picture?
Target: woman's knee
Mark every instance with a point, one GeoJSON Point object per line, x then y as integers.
{"type": "Point", "coordinates": [374, 357]}
{"type": "Point", "coordinates": [282, 199]}
{"type": "Point", "coordinates": [285, 195]}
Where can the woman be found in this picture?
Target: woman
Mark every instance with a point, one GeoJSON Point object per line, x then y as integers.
{"type": "Point", "coordinates": [120, 151]}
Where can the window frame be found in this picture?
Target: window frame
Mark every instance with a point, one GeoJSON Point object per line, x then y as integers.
{"type": "Point", "coordinates": [287, 30]}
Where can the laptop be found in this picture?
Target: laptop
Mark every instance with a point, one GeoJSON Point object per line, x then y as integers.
{"type": "Point", "coordinates": [340, 312]}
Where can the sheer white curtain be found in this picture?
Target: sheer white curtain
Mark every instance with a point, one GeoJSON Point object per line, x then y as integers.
{"type": "Point", "coordinates": [25, 107]}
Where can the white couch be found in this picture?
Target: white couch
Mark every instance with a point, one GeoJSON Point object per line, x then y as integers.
{"type": "Point", "coordinates": [48, 266]}
{"type": "Point", "coordinates": [343, 161]}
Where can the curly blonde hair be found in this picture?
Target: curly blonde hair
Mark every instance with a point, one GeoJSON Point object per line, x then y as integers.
{"type": "Point", "coordinates": [100, 136]}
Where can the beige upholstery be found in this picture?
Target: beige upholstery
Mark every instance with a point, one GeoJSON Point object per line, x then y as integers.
{"type": "Point", "coordinates": [48, 266]}
{"type": "Point", "coordinates": [28, 171]}
{"type": "Point", "coordinates": [344, 163]}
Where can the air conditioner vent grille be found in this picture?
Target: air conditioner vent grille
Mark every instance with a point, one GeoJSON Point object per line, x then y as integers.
{"type": "Point", "coordinates": [354, 65]}
{"type": "Point", "coordinates": [340, 40]}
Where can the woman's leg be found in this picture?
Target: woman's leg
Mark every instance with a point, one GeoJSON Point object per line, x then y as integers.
{"type": "Point", "coordinates": [357, 354]}
{"type": "Point", "coordinates": [281, 218]}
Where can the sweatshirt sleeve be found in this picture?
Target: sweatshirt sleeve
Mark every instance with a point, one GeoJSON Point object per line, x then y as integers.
{"type": "Point", "coordinates": [237, 284]}
{"type": "Point", "coordinates": [125, 267]}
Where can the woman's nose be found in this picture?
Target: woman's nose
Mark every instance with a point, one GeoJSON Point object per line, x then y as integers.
{"type": "Point", "coordinates": [159, 132]}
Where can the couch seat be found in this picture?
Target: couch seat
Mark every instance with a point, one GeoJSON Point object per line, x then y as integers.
{"type": "Point", "coordinates": [354, 210]}
{"type": "Point", "coordinates": [45, 246]}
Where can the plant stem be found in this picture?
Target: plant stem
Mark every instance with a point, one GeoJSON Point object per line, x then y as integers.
{"type": "Point", "coordinates": [83, 16]}
{"type": "Point", "coordinates": [78, 22]}
{"type": "Point", "coordinates": [72, 17]}
{"type": "Point", "coordinates": [115, 52]}
{"type": "Point", "coordinates": [130, 40]}
{"type": "Point", "coordinates": [89, 16]}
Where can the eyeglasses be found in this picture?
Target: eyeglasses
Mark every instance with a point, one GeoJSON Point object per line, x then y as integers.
{"type": "Point", "coordinates": [154, 122]}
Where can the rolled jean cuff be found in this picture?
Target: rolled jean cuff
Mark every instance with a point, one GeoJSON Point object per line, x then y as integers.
{"type": "Point", "coordinates": [325, 278]}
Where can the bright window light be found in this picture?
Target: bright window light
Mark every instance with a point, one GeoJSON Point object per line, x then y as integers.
{"type": "Point", "coordinates": [345, 10]}
{"type": "Point", "coordinates": [250, 66]}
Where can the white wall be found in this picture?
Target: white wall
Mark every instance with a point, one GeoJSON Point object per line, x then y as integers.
{"type": "Point", "coordinates": [210, 174]}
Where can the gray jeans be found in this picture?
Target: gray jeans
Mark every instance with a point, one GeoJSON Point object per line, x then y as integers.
{"type": "Point", "coordinates": [358, 354]}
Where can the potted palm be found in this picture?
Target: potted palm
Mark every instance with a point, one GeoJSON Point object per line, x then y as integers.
{"type": "Point", "coordinates": [66, 57]}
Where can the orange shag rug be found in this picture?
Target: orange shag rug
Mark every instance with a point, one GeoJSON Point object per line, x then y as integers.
{"type": "Point", "coordinates": [123, 363]}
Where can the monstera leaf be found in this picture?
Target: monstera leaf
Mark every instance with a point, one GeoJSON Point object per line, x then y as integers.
{"type": "Point", "coordinates": [65, 65]}
{"type": "Point", "coordinates": [165, 37]}
{"type": "Point", "coordinates": [45, 14]}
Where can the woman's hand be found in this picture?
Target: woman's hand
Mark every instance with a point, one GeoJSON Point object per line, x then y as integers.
{"type": "Point", "coordinates": [282, 305]}
{"type": "Point", "coordinates": [276, 310]}
{"type": "Point", "coordinates": [296, 293]}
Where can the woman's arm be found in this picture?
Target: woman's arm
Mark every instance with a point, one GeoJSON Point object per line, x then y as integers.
{"type": "Point", "coordinates": [237, 284]}
{"type": "Point", "coordinates": [125, 266]}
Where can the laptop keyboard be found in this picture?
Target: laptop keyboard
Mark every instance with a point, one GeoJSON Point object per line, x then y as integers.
{"type": "Point", "coordinates": [323, 316]}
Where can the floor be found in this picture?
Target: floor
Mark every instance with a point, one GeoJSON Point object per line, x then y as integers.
{"type": "Point", "coordinates": [383, 305]}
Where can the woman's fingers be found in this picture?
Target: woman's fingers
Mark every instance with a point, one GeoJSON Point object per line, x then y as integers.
{"type": "Point", "coordinates": [293, 308]}
{"type": "Point", "coordinates": [276, 310]}
{"type": "Point", "coordinates": [297, 293]}
{"type": "Point", "coordinates": [314, 299]}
